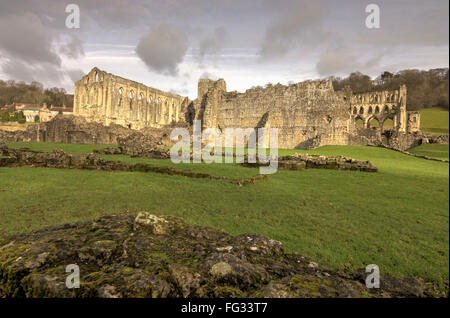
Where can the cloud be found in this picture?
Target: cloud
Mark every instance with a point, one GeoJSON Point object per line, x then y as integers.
{"type": "Point", "coordinates": [301, 25]}
{"type": "Point", "coordinates": [209, 76]}
{"type": "Point", "coordinates": [212, 43]}
{"type": "Point", "coordinates": [336, 61]}
{"type": "Point", "coordinates": [75, 74]}
{"type": "Point", "coordinates": [73, 49]}
{"type": "Point", "coordinates": [342, 60]}
{"type": "Point", "coordinates": [163, 48]}
{"type": "Point", "coordinates": [25, 37]}
{"type": "Point", "coordinates": [44, 72]}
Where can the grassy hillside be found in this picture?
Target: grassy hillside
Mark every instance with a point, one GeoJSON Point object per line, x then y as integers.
{"type": "Point", "coordinates": [396, 218]}
{"type": "Point", "coordinates": [434, 121]}
{"type": "Point", "coordinates": [432, 150]}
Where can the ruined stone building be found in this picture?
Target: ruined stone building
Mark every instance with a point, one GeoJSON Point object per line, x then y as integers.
{"type": "Point", "coordinates": [106, 98]}
{"type": "Point", "coordinates": [375, 108]}
{"type": "Point", "coordinates": [307, 114]}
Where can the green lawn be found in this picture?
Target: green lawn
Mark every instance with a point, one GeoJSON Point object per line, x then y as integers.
{"type": "Point", "coordinates": [431, 150]}
{"type": "Point", "coordinates": [396, 218]}
{"type": "Point", "coordinates": [434, 121]}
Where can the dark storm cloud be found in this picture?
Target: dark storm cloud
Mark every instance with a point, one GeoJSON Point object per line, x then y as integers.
{"type": "Point", "coordinates": [163, 48]}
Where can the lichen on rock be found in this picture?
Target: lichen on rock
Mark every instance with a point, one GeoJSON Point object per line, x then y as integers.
{"type": "Point", "coordinates": [161, 256]}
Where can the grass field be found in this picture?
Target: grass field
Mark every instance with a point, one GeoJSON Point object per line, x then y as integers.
{"type": "Point", "coordinates": [396, 218]}
{"type": "Point", "coordinates": [431, 150]}
{"type": "Point", "coordinates": [434, 121]}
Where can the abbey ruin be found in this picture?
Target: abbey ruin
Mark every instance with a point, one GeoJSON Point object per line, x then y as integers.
{"type": "Point", "coordinates": [108, 99]}
{"type": "Point", "coordinates": [307, 114]}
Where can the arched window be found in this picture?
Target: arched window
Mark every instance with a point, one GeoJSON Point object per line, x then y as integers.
{"type": "Point", "coordinates": [361, 110]}
{"type": "Point", "coordinates": [377, 110]}
{"type": "Point", "coordinates": [359, 123]}
{"type": "Point", "coordinates": [355, 111]}
{"type": "Point", "coordinates": [130, 95]}
{"type": "Point", "coordinates": [374, 123]}
{"type": "Point", "coordinates": [386, 110]}
{"type": "Point", "coordinates": [96, 76]}
{"type": "Point", "coordinates": [157, 100]}
{"type": "Point", "coordinates": [149, 100]}
{"type": "Point", "coordinates": [370, 110]}
{"type": "Point", "coordinates": [140, 96]}
{"type": "Point", "coordinates": [388, 124]}
{"type": "Point", "coordinates": [120, 91]}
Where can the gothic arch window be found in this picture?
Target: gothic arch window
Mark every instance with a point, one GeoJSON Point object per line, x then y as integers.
{"type": "Point", "coordinates": [361, 110]}
{"type": "Point", "coordinates": [388, 124]}
{"type": "Point", "coordinates": [370, 110]}
{"type": "Point", "coordinates": [359, 123]}
{"type": "Point", "coordinates": [96, 76]}
{"type": "Point", "coordinates": [130, 95]}
{"type": "Point", "coordinates": [149, 100]}
{"type": "Point", "coordinates": [386, 110]}
{"type": "Point", "coordinates": [120, 95]}
{"type": "Point", "coordinates": [140, 96]}
{"type": "Point", "coordinates": [355, 111]}
{"type": "Point", "coordinates": [377, 110]}
{"type": "Point", "coordinates": [373, 123]}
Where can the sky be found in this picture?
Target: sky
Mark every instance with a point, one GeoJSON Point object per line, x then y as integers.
{"type": "Point", "coordinates": [170, 44]}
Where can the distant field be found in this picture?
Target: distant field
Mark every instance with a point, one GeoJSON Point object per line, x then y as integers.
{"type": "Point", "coordinates": [432, 150]}
{"type": "Point", "coordinates": [397, 218]}
{"type": "Point", "coordinates": [434, 121]}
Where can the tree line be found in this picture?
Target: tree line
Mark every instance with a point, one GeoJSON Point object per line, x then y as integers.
{"type": "Point", "coordinates": [33, 93]}
{"type": "Point", "coordinates": [425, 88]}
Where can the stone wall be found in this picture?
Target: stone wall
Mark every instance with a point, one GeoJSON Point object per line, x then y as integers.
{"type": "Point", "coordinates": [106, 98]}
{"type": "Point", "coordinates": [68, 129]}
{"type": "Point", "coordinates": [375, 108]}
{"type": "Point", "coordinates": [307, 114]}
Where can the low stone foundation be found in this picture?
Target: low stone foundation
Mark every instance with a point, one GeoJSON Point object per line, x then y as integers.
{"type": "Point", "coordinates": [59, 159]}
{"type": "Point", "coordinates": [304, 161]}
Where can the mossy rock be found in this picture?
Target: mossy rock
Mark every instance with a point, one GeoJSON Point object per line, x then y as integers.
{"type": "Point", "coordinates": [124, 256]}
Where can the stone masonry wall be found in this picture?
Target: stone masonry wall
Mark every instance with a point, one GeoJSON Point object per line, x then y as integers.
{"type": "Point", "coordinates": [106, 98]}
{"type": "Point", "coordinates": [307, 114]}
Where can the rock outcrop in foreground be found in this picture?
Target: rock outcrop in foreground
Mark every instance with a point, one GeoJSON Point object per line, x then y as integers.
{"type": "Point", "coordinates": [161, 256]}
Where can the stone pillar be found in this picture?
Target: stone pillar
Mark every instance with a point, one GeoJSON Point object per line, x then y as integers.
{"type": "Point", "coordinates": [402, 109]}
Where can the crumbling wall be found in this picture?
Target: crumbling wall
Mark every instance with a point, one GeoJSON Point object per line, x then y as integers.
{"type": "Point", "coordinates": [307, 114]}
{"type": "Point", "coordinates": [375, 108]}
{"type": "Point", "coordinates": [106, 98]}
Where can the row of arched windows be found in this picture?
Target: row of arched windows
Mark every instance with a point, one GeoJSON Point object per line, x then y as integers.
{"type": "Point", "coordinates": [131, 94]}
{"type": "Point", "coordinates": [371, 110]}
